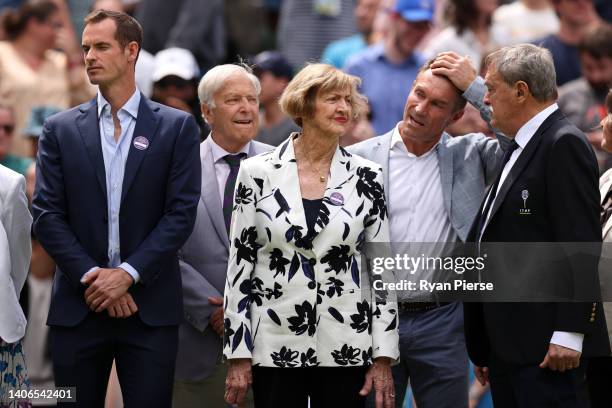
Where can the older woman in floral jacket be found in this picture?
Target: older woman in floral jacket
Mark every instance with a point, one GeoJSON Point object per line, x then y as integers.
{"type": "Point", "coordinates": [301, 318]}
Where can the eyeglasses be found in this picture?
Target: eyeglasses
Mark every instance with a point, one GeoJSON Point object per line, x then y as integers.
{"type": "Point", "coordinates": [7, 128]}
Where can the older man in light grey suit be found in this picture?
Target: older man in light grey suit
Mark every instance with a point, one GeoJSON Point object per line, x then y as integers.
{"type": "Point", "coordinates": [434, 185]}
{"type": "Point", "coordinates": [229, 103]}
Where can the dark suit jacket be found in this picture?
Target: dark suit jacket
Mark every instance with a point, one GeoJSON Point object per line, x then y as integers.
{"type": "Point", "coordinates": [559, 170]}
{"type": "Point", "coordinates": [161, 188]}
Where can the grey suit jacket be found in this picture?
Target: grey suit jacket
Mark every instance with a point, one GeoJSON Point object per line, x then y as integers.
{"type": "Point", "coordinates": [468, 164]}
{"type": "Point", "coordinates": [15, 252]}
{"type": "Point", "coordinates": [203, 264]}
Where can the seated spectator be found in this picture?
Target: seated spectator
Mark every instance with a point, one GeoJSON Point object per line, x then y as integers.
{"type": "Point", "coordinates": [583, 99]}
{"type": "Point", "coordinates": [175, 75]}
{"type": "Point", "coordinates": [388, 69]}
{"type": "Point", "coordinates": [337, 52]}
{"type": "Point", "coordinates": [470, 32]}
{"type": "Point", "coordinates": [525, 21]}
{"type": "Point", "coordinates": [274, 73]}
{"type": "Point", "coordinates": [7, 131]}
{"type": "Point", "coordinates": [33, 73]}
{"type": "Point", "coordinates": [575, 18]}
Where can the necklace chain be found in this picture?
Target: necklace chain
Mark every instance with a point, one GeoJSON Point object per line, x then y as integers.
{"type": "Point", "coordinates": [322, 178]}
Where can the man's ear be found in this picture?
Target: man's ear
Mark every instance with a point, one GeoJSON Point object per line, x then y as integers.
{"type": "Point", "coordinates": [207, 113]}
{"type": "Point", "coordinates": [133, 50]}
{"type": "Point", "coordinates": [456, 116]}
{"type": "Point", "coordinates": [521, 90]}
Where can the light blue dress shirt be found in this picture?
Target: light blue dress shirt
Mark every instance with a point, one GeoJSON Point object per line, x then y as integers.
{"type": "Point", "coordinates": [115, 154]}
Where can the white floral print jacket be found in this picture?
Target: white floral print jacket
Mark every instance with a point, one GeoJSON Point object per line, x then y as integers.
{"type": "Point", "coordinates": [297, 299]}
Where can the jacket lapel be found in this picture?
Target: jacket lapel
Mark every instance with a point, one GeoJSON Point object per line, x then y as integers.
{"type": "Point", "coordinates": [284, 177]}
{"type": "Point", "coordinates": [146, 126]}
{"type": "Point", "coordinates": [445, 163]}
{"type": "Point", "coordinates": [381, 154]}
{"type": "Point", "coordinates": [89, 128]}
{"type": "Point", "coordinates": [210, 191]}
{"type": "Point", "coordinates": [340, 187]}
{"type": "Point", "coordinates": [522, 161]}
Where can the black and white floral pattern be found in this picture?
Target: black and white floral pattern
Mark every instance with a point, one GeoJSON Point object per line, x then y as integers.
{"type": "Point", "coordinates": [295, 298]}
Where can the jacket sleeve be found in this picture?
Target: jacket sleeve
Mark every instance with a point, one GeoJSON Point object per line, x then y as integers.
{"type": "Point", "coordinates": [573, 207]}
{"type": "Point", "coordinates": [15, 252]}
{"type": "Point", "coordinates": [196, 290]}
{"type": "Point", "coordinates": [51, 211]}
{"type": "Point", "coordinates": [182, 195]}
{"type": "Point", "coordinates": [237, 337]}
{"type": "Point", "coordinates": [385, 335]}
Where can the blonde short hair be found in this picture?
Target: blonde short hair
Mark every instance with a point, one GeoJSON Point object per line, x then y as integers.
{"type": "Point", "coordinates": [298, 99]}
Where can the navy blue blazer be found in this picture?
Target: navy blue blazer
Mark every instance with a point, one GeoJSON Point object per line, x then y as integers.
{"type": "Point", "coordinates": [161, 189]}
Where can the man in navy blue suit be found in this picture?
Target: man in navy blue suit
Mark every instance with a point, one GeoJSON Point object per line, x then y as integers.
{"type": "Point", "coordinates": [118, 185]}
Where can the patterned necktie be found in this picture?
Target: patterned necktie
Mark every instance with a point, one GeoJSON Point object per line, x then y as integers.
{"type": "Point", "coordinates": [493, 192]}
{"type": "Point", "coordinates": [228, 193]}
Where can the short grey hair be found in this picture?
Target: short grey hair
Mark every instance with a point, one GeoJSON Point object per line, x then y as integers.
{"type": "Point", "coordinates": [528, 63]}
{"type": "Point", "coordinates": [216, 77]}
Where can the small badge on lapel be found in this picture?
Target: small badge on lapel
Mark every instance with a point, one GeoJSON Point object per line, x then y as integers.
{"type": "Point", "coordinates": [336, 198]}
{"type": "Point", "coordinates": [525, 210]}
{"type": "Point", "coordinates": [141, 143]}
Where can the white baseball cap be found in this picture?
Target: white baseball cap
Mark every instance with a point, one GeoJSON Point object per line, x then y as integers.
{"type": "Point", "coordinates": [175, 61]}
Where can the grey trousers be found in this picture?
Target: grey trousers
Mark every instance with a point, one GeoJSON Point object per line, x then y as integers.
{"type": "Point", "coordinates": [433, 357]}
{"type": "Point", "coordinates": [208, 392]}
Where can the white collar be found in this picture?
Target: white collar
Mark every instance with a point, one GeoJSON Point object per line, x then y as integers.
{"type": "Point", "coordinates": [526, 132]}
{"type": "Point", "coordinates": [396, 140]}
{"type": "Point", "coordinates": [131, 106]}
{"type": "Point", "coordinates": [219, 153]}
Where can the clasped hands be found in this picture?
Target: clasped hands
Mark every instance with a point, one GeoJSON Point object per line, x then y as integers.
{"type": "Point", "coordinates": [107, 290]}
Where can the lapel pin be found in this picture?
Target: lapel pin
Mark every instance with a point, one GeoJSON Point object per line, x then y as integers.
{"type": "Point", "coordinates": [525, 210]}
{"type": "Point", "coordinates": [336, 198]}
{"type": "Point", "coordinates": [141, 143]}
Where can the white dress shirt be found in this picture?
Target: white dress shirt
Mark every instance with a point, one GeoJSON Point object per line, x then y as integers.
{"type": "Point", "coordinates": [523, 136]}
{"type": "Point", "coordinates": [416, 206]}
{"type": "Point", "coordinates": [222, 168]}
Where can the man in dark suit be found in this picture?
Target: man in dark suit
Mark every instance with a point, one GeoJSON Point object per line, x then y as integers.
{"type": "Point", "coordinates": [118, 185]}
{"type": "Point", "coordinates": [200, 374]}
{"type": "Point", "coordinates": [546, 192]}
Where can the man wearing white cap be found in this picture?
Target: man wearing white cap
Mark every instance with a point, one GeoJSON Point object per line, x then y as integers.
{"type": "Point", "coordinates": [175, 74]}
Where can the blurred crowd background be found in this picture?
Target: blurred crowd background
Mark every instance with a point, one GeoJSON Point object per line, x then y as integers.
{"type": "Point", "coordinates": [383, 42]}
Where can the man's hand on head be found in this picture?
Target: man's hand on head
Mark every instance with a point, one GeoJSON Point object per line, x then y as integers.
{"type": "Point", "coordinates": [105, 287]}
{"type": "Point", "coordinates": [459, 70]}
